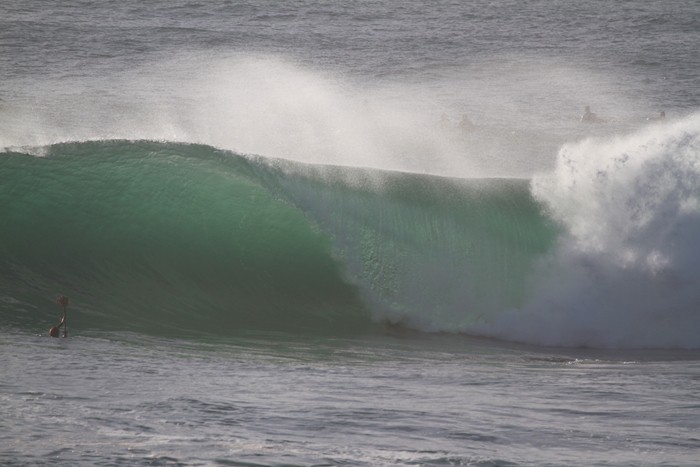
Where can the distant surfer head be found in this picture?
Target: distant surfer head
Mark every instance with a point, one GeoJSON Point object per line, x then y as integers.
{"type": "Point", "coordinates": [588, 116]}
{"type": "Point", "coordinates": [53, 332]}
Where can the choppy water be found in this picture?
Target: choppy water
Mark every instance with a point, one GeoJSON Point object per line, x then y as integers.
{"type": "Point", "coordinates": [282, 249]}
{"type": "Point", "coordinates": [275, 400]}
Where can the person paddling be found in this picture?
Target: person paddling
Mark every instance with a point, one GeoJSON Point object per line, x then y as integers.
{"type": "Point", "coordinates": [54, 331]}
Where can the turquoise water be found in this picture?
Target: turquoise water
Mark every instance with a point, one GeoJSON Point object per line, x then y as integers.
{"type": "Point", "coordinates": [184, 238]}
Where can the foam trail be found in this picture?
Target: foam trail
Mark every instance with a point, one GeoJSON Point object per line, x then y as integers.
{"type": "Point", "coordinates": [626, 273]}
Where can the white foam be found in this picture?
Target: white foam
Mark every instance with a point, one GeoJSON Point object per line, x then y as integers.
{"type": "Point", "coordinates": [626, 272]}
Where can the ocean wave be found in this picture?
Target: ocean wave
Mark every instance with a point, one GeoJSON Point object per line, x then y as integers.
{"type": "Point", "coordinates": [169, 237]}
{"type": "Point", "coordinates": [184, 238]}
{"type": "Point", "coordinates": [162, 237]}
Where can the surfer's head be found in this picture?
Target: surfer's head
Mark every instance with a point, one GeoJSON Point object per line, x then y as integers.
{"type": "Point", "coordinates": [53, 332]}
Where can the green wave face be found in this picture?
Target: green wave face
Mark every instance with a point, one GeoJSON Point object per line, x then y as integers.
{"type": "Point", "coordinates": [165, 238]}
{"type": "Point", "coordinates": [428, 252]}
{"type": "Point", "coordinates": [175, 238]}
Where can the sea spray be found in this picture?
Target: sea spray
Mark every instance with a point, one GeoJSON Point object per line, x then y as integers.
{"type": "Point", "coordinates": [277, 107]}
{"type": "Point", "coordinates": [626, 272]}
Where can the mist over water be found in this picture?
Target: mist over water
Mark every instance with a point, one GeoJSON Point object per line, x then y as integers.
{"type": "Point", "coordinates": [275, 107]}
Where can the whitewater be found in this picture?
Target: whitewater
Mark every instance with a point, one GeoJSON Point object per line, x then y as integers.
{"type": "Point", "coordinates": [349, 234]}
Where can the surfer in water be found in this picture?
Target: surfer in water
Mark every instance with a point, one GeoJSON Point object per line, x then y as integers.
{"type": "Point", "coordinates": [466, 124]}
{"type": "Point", "coordinates": [662, 116]}
{"type": "Point", "coordinates": [589, 117]}
{"type": "Point", "coordinates": [55, 330]}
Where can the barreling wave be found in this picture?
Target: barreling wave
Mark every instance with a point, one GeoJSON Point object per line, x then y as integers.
{"type": "Point", "coordinates": [181, 238]}
{"type": "Point", "coordinates": [163, 237]}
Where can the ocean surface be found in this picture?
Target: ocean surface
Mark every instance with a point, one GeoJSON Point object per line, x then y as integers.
{"type": "Point", "coordinates": [368, 233]}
